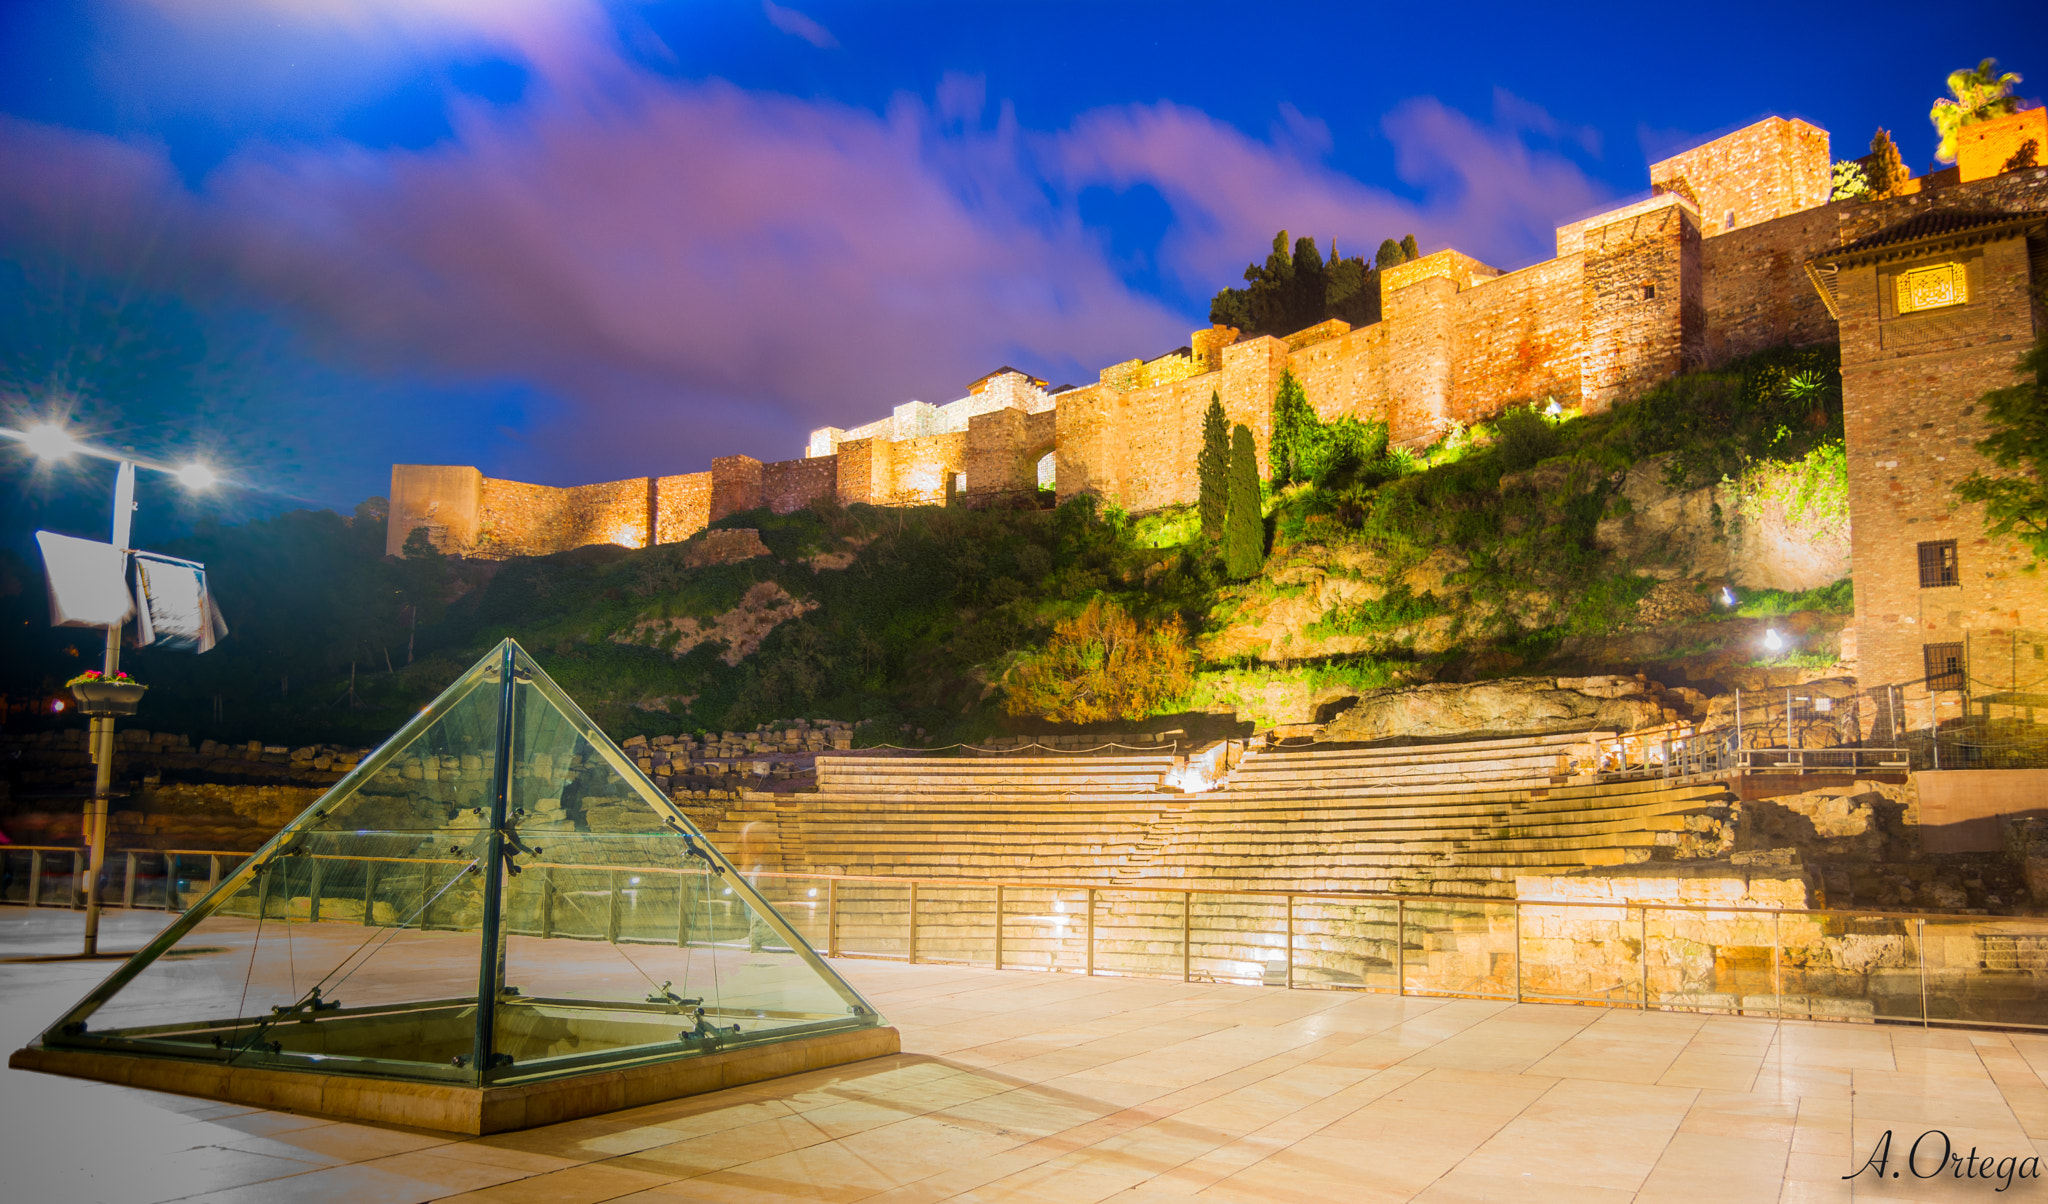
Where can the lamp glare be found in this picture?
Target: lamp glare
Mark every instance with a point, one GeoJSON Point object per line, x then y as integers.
{"type": "Point", "coordinates": [1773, 642]}
{"type": "Point", "coordinates": [197, 477]}
{"type": "Point", "coordinates": [48, 441]}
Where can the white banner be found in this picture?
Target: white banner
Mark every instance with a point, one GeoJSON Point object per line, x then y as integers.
{"type": "Point", "coordinates": [88, 581]}
{"type": "Point", "coordinates": [173, 606]}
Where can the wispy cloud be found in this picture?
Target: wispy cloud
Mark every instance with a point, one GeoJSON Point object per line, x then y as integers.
{"type": "Point", "coordinates": [691, 268]}
{"type": "Point", "coordinates": [790, 21]}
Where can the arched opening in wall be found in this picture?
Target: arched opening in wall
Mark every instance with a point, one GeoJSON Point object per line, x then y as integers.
{"type": "Point", "coordinates": [1047, 486]}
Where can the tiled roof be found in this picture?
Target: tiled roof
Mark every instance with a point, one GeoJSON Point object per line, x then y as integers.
{"type": "Point", "coordinates": [1938, 223]}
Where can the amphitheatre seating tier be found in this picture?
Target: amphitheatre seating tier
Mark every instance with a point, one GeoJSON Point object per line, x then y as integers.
{"type": "Point", "coordinates": [897, 776]}
{"type": "Point", "coordinates": [1454, 821]}
{"type": "Point", "coordinates": [1353, 819]}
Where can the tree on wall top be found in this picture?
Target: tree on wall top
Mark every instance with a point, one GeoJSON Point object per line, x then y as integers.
{"type": "Point", "coordinates": [1295, 290]}
{"type": "Point", "coordinates": [1886, 171]}
{"type": "Point", "coordinates": [1244, 524]}
{"type": "Point", "coordinates": [2016, 502]}
{"type": "Point", "coordinates": [1975, 94]}
{"type": "Point", "coordinates": [1212, 467]}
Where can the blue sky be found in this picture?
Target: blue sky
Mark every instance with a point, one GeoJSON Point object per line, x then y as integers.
{"type": "Point", "coordinates": [570, 241]}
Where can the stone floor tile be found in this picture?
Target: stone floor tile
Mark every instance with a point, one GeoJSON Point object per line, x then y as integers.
{"type": "Point", "coordinates": [574, 1185]}
{"type": "Point", "coordinates": [1730, 1170]}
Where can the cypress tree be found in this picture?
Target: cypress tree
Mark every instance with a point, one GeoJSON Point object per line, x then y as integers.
{"type": "Point", "coordinates": [1213, 468]}
{"type": "Point", "coordinates": [1409, 250]}
{"type": "Point", "coordinates": [1244, 527]}
{"type": "Point", "coordinates": [1293, 421]}
{"type": "Point", "coordinates": [1388, 255]}
{"type": "Point", "coordinates": [1887, 171]}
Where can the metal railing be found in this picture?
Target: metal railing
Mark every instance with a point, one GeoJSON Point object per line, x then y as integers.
{"type": "Point", "coordinates": [153, 879]}
{"type": "Point", "coordinates": [1787, 963]}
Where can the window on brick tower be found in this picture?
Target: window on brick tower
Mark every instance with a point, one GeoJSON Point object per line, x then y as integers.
{"type": "Point", "coordinates": [1649, 292]}
{"type": "Point", "coordinates": [1944, 666]}
{"type": "Point", "coordinates": [1938, 564]}
{"type": "Point", "coordinates": [1728, 223]}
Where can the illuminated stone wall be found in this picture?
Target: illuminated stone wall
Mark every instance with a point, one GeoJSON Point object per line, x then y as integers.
{"type": "Point", "coordinates": [1635, 294]}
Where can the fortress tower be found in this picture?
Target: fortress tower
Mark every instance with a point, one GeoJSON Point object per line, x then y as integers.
{"type": "Point", "coordinates": [1735, 249]}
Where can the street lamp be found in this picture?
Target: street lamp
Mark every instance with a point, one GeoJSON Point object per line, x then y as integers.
{"type": "Point", "coordinates": [50, 441]}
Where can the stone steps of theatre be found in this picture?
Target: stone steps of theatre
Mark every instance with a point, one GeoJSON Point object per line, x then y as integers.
{"type": "Point", "coordinates": [1537, 771]}
{"type": "Point", "coordinates": [1215, 867]}
{"type": "Point", "coordinates": [1279, 751]}
{"type": "Point", "coordinates": [832, 823]}
{"type": "Point", "coordinates": [1669, 817]}
{"type": "Point", "coordinates": [1266, 757]}
{"type": "Point", "coordinates": [1273, 765]}
{"type": "Point", "coordinates": [1153, 759]}
{"type": "Point", "coordinates": [991, 788]}
{"type": "Point", "coordinates": [841, 770]}
{"type": "Point", "coordinates": [1532, 796]}
{"type": "Point", "coordinates": [828, 845]}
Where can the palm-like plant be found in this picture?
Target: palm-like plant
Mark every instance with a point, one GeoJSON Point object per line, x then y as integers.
{"type": "Point", "coordinates": [1975, 94]}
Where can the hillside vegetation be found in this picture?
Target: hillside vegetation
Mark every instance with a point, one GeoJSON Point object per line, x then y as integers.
{"type": "Point", "coordinates": [1471, 558]}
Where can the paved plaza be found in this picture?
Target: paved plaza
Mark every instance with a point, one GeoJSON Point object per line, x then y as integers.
{"type": "Point", "coordinates": [1061, 1088]}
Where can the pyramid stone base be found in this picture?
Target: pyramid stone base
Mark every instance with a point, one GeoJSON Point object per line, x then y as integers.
{"type": "Point", "coordinates": [454, 1108]}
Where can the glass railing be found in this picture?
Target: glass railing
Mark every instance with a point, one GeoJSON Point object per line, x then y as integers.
{"type": "Point", "coordinates": [1819, 964]}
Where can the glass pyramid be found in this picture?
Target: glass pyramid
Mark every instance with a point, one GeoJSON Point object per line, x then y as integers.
{"type": "Point", "coordinates": [497, 896]}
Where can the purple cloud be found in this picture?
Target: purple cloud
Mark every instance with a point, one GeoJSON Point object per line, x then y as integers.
{"type": "Point", "coordinates": [694, 269]}
{"type": "Point", "coordinates": [1486, 190]}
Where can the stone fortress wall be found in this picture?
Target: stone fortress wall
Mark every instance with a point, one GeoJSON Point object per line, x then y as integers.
{"type": "Point", "coordinates": [1736, 249]}
{"type": "Point", "coordinates": [1634, 295]}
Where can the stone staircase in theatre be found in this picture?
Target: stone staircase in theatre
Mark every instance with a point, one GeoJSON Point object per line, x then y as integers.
{"type": "Point", "coordinates": [1457, 820]}
{"type": "Point", "coordinates": [1444, 819]}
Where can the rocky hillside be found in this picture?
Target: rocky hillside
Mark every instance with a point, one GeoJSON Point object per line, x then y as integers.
{"type": "Point", "coordinates": [1659, 539]}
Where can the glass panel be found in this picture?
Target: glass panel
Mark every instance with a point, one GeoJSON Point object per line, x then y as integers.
{"type": "Point", "coordinates": [1578, 953]}
{"type": "Point", "coordinates": [1238, 938]}
{"type": "Point", "coordinates": [627, 935]}
{"type": "Point", "coordinates": [802, 900]}
{"type": "Point", "coordinates": [1717, 961]}
{"type": "Point", "coordinates": [1344, 943]}
{"type": "Point", "coordinates": [874, 919]}
{"type": "Point", "coordinates": [1465, 948]}
{"type": "Point", "coordinates": [1987, 970]}
{"type": "Point", "coordinates": [1137, 932]}
{"type": "Point", "coordinates": [355, 933]}
{"type": "Point", "coordinates": [1849, 967]}
{"type": "Point", "coordinates": [956, 924]}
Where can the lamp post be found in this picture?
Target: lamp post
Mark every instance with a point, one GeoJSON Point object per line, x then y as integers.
{"type": "Point", "coordinates": [49, 441]}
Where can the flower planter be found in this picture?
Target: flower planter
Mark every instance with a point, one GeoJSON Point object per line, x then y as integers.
{"type": "Point", "coordinates": [108, 697]}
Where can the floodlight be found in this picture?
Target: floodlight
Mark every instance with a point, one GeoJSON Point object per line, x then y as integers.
{"type": "Point", "coordinates": [197, 477]}
{"type": "Point", "coordinates": [1773, 642]}
{"type": "Point", "coordinates": [48, 441]}
{"type": "Point", "coordinates": [1553, 409]}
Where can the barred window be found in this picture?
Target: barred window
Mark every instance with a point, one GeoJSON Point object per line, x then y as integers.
{"type": "Point", "coordinates": [1944, 666]}
{"type": "Point", "coordinates": [1938, 564]}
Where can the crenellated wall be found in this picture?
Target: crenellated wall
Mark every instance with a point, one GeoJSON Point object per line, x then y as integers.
{"type": "Point", "coordinates": [1709, 267]}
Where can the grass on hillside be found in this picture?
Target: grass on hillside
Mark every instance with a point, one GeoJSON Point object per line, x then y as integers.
{"type": "Point", "coordinates": [940, 602]}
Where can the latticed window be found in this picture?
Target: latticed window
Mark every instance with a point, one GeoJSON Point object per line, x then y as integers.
{"type": "Point", "coordinates": [1932, 288]}
{"type": "Point", "coordinates": [1938, 564]}
{"type": "Point", "coordinates": [1944, 666]}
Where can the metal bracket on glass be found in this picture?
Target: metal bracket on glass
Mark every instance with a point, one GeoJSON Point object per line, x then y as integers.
{"type": "Point", "coordinates": [662, 994]}
{"type": "Point", "coordinates": [305, 1009]}
{"type": "Point", "coordinates": [706, 1035]}
{"type": "Point", "coordinates": [690, 845]}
